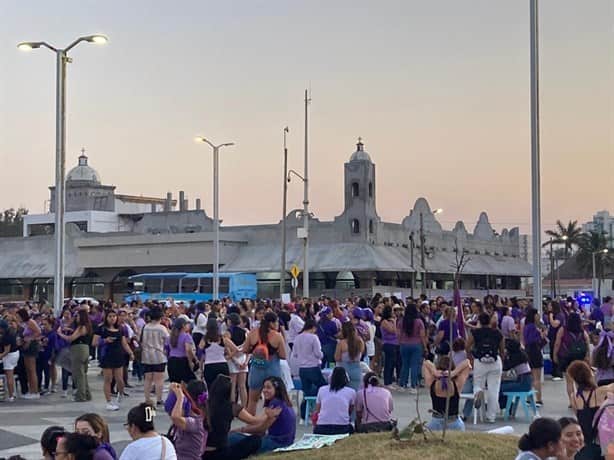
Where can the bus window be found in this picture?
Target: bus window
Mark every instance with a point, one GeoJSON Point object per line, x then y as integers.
{"type": "Point", "coordinates": [171, 285]}
{"type": "Point", "coordinates": [206, 285]}
{"type": "Point", "coordinates": [224, 285]}
{"type": "Point", "coordinates": [152, 285]}
{"type": "Point", "coordinates": [189, 285]}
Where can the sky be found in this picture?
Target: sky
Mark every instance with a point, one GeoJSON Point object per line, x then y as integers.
{"type": "Point", "coordinates": [438, 90]}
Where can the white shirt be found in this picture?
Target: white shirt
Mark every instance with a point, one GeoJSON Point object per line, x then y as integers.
{"type": "Point", "coordinates": [148, 448]}
{"type": "Point", "coordinates": [335, 405]}
{"type": "Point", "coordinates": [294, 327]}
{"type": "Point", "coordinates": [200, 325]}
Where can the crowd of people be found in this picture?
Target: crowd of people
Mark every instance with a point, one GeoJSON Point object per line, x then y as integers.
{"type": "Point", "coordinates": [228, 360]}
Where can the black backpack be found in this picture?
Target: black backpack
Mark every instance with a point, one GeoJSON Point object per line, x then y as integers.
{"type": "Point", "coordinates": [577, 348]}
{"type": "Point", "coordinates": [487, 350]}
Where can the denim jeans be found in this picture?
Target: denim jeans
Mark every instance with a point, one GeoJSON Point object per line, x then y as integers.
{"type": "Point", "coordinates": [436, 424]}
{"type": "Point", "coordinates": [328, 349]}
{"type": "Point", "coordinates": [391, 357]}
{"type": "Point", "coordinates": [311, 381]}
{"type": "Point", "coordinates": [411, 360]}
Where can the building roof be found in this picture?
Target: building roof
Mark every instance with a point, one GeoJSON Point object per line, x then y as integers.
{"type": "Point", "coordinates": [360, 153]}
{"type": "Point", "coordinates": [83, 172]}
{"type": "Point", "coordinates": [366, 257]}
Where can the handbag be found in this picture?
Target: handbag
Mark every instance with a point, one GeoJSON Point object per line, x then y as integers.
{"type": "Point", "coordinates": [374, 427]}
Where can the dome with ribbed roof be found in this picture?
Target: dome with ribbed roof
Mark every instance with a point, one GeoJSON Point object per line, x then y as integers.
{"type": "Point", "coordinates": [83, 172]}
{"type": "Point", "coordinates": [360, 153]}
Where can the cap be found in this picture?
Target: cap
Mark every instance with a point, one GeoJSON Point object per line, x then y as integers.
{"type": "Point", "coordinates": [325, 311]}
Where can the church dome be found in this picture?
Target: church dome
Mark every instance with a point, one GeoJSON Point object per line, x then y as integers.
{"type": "Point", "coordinates": [360, 153]}
{"type": "Point", "coordinates": [83, 172]}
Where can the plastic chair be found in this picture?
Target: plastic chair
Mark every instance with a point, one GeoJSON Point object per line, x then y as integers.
{"type": "Point", "coordinates": [525, 399]}
{"type": "Point", "coordinates": [469, 396]}
{"type": "Point", "coordinates": [296, 391]}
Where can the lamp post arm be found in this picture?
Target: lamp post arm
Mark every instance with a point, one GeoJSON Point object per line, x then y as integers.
{"type": "Point", "coordinates": [292, 171]}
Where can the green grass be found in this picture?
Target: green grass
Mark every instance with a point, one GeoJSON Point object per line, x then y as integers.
{"type": "Point", "coordinates": [458, 446]}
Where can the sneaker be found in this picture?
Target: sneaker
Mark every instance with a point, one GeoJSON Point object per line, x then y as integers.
{"type": "Point", "coordinates": [556, 379]}
{"type": "Point", "coordinates": [478, 399]}
{"type": "Point", "coordinates": [11, 399]}
{"type": "Point", "coordinates": [412, 391]}
{"type": "Point", "coordinates": [54, 389]}
{"type": "Point", "coordinates": [112, 406]}
{"type": "Point", "coordinates": [31, 396]}
{"type": "Point", "coordinates": [65, 394]}
{"type": "Point", "coordinates": [540, 403]}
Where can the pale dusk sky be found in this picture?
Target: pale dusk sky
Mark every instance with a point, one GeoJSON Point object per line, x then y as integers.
{"type": "Point", "coordinates": [438, 90]}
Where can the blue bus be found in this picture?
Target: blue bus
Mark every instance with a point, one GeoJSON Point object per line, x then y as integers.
{"type": "Point", "coordinates": [191, 286]}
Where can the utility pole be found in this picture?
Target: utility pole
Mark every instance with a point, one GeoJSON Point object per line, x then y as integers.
{"type": "Point", "coordinates": [422, 240]}
{"type": "Point", "coordinates": [413, 270]}
{"type": "Point", "coordinates": [552, 275]}
{"type": "Point", "coordinates": [535, 160]}
{"type": "Point", "coordinates": [306, 205]}
{"type": "Point", "coordinates": [282, 271]}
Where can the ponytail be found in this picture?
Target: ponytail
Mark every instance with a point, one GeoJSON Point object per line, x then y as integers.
{"type": "Point", "coordinates": [524, 443]}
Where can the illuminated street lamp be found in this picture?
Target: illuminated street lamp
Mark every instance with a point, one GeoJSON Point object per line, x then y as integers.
{"type": "Point", "coordinates": [60, 154]}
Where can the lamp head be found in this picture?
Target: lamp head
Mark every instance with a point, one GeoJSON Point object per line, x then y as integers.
{"type": "Point", "coordinates": [28, 46]}
{"type": "Point", "coordinates": [438, 211]}
{"type": "Point", "coordinates": [564, 237]}
{"type": "Point", "coordinates": [98, 39]}
{"type": "Point", "coordinates": [200, 139]}
{"type": "Point", "coordinates": [605, 251]}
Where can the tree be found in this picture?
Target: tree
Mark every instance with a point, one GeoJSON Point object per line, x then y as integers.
{"type": "Point", "coordinates": [592, 243]}
{"type": "Point", "coordinates": [11, 222]}
{"type": "Point", "coordinates": [569, 235]}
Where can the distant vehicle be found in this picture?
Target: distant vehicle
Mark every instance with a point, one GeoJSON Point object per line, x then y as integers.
{"type": "Point", "coordinates": [91, 300]}
{"type": "Point", "coordinates": [190, 286]}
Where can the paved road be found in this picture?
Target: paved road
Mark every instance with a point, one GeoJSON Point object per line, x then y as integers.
{"type": "Point", "coordinates": [22, 422]}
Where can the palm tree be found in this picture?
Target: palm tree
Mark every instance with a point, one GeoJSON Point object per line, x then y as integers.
{"type": "Point", "coordinates": [569, 235]}
{"type": "Point", "coordinates": [593, 243]}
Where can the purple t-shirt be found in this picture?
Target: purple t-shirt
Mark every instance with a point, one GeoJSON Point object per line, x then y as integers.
{"type": "Point", "coordinates": [335, 405]}
{"type": "Point", "coordinates": [531, 334]}
{"type": "Point", "coordinates": [283, 428]}
{"type": "Point", "coordinates": [190, 443]}
{"type": "Point", "coordinates": [179, 350]}
{"type": "Point", "coordinates": [444, 326]}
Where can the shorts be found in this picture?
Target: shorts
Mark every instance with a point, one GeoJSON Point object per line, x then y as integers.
{"type": "Point", "coordinates": [536, 359]}
{"type": "Point", "coordinates": [10, 361]}
{"type": "Point", "coordinates": [149, 368]}
{"type": "Point", "coordinates": [258, 373]}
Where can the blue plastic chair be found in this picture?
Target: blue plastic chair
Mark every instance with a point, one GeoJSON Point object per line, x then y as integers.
{"type": "Point", "coordinates": [525, 398]}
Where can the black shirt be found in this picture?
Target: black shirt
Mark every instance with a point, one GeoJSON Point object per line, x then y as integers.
{"type": "Point", "coordinates": [487, 334]}
{"type": "Point", "coordinates": [9, 338]}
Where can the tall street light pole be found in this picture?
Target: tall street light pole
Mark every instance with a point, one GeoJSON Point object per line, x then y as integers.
{"type": "Point", "coordinates": [596, 284]}
{"type": "Point", "coordinates": [216, 214]}
{"type": "Point", "coordinates": [422, 248]}
{"type": "Point", "coordinates": [60, 155]}
{"type": "Point", "coordinates": [535, 159]}
{"type": "Point", "coordinates": [282, 271]}
{"type": "Point", "coordinates": [306, 205]}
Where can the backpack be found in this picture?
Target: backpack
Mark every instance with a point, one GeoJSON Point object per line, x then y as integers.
{"type": "Point", "coordinates": [486, 351]}
{"type": "Point", "coordinates": [603, 424]}
{"type": "Point", "coordinates": [575, 349]}
{"type": "Point", "coordinates": [260, 353]}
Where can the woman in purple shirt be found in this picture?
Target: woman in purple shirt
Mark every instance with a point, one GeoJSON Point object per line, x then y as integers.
{"type": "Point", "coordinates": [390, 346]}
{"type": "Point", "coordinates": [443, 340]}
{"type": "Point", "coordinates": [181, 357]}
{"type": "Point", "coordinates": [534, 341]}
{"type": "Point", "coordinates": [280, 422]}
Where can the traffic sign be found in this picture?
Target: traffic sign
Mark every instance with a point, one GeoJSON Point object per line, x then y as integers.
{"type": "Point", "coordinates": [294, 283]}
{"type": "Point", "coordinates": [294, 271]}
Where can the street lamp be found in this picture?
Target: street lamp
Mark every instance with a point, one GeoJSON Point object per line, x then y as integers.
{"type": "Point", "coordinates": [60, 153]}
{"type": "Point", "coordinates": [422, 253]}
{"type": "Point", "coordinates": [216, 217]}
{"type": "Point", "coordinates": [594, 281]}
{"type": "Point", "coordinates": [282, 271]}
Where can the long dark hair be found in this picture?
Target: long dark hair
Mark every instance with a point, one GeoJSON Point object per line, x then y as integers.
{"type": "Point", "coordinates": [83, 319]}
{"type": "Point", "coordinates": [310, 323]}
{"type": "Point", "coordinates": [218, 403]}
{"type": "Point", "coordinates": [280, 390]}
{"type": "Point", "coordinates": [411, 314]}
{"type": "Point", "coordinates": [106, 315]}
{"type": "Point", "coordinates": [348, 332]}
{"type": "Point", "coordinates": [97, 423]}
{"type": "Point", "coordinates": [338, 379]}
{"type": "Point", "coordinates": [601, 360]}
{"type": "Point", "coordinates": [266, 325]}
{"type": "Point", "coordinates": [530, 316]}
{"type": "Point", "coordinates": [141, 416]}
{"type": "Point", "coordinates": [387, 312]}
{"type": "Point", "coordinates": [542, 432]}
{"type": "Point", "coordinates": [213, 332]}
{"type": "Point", "coordinates": [574, 323]}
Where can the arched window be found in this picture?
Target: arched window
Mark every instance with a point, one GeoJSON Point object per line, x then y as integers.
{"type": "Point", "coordinates": [355, 226]}
{"type": "Point", "coordinates": [355, 189]}
{"type": "Point", "coordinates": [370, 226]}
{"type": "Point", "coordinates": [370, 189]}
